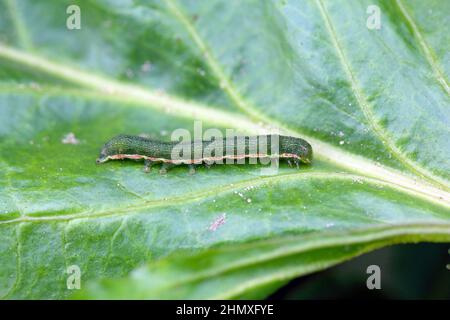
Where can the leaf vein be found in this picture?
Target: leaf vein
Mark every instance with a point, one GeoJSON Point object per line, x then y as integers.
{"type": "Point", "coordinates": [191, 197]}
{"type": "Point", "coordinates": [427, 51]}
{"type": "Point", "coordinates": [21, 30]}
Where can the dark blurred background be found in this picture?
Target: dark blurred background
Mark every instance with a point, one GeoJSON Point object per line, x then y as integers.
{"type": "Point", "coordinates": [408, 271]}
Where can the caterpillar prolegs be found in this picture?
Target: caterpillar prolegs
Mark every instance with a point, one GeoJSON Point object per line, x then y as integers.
{"type": "Point", "coordinates": [216, 151]}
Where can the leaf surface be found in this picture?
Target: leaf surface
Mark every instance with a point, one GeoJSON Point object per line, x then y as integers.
{"type": "Point", "coordinates": [373, 103]}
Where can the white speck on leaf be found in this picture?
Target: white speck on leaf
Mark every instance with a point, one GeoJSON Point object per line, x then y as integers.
{"type": "Point", "coordinates": [129, 73]}
{"type": "Point", "coordinates": [35, 86]}
{"type": "Point", "coordinates": [70, 139]}
{"type": "Point", "coordinates": [201, 72]}
{"type": "Point", "coordinates": [146, 67]}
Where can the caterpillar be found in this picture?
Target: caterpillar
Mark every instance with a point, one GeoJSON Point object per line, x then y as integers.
{"type": "Point", "coordinates": [294, 150]}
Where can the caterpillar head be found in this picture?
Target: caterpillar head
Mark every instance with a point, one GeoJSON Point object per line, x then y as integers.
{"type": "Point", "coordinates": [305, 152]}
{"type": "Point", "coordinates": [113, 147]}
{"type": "Point", "coordinates": [103, 157]}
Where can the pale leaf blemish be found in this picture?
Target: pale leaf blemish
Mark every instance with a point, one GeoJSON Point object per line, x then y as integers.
{"type": "Point", "coordinates": [70, 138]}
{"type": "Point", "coordinates": [146, 67]}
{"type": "Point", "coordinates": [218, 222]}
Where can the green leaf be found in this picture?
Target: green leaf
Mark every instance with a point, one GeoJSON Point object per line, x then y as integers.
{"type": "Point", "coordinates": [373, 103]}
{"type": "Point", "coordinates": [231, 271]}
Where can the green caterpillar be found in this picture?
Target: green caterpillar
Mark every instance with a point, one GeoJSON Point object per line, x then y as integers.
{"type": "Point", "coordinates": [294, 150]}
